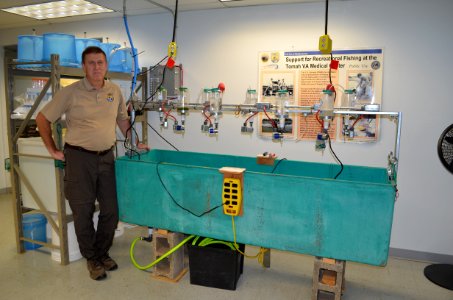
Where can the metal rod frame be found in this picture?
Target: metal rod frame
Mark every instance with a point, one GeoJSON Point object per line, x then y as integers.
{"type": "Point", "coordinates": [291, 109]}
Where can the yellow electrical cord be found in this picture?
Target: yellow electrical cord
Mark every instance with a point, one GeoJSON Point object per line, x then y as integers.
{"type": "Point", "coordinates": [205, 242]}
{"type": "Point", "coordinates": [259, 255]}
{"type": "Point", "coordinates": [134, 262]}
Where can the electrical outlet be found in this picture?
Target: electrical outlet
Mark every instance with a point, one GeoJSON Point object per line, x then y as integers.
{"type": "Point", "coordinates": [325, 44]}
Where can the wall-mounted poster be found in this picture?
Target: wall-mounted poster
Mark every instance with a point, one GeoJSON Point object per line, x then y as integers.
{"type": "Point", "coordinates": [304, 74]}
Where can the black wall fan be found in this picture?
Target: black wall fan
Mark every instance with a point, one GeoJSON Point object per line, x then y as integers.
{"type": "Point", "coordinates": [442, 274]}
{"type": "Point", "coordinates": [445, 148]}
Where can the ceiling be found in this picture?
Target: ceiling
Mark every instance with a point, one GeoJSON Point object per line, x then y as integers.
{"type": "Point", "coordinates": [133, 7]}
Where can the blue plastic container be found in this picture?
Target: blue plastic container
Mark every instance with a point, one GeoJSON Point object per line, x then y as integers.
{"type": "Point", "coordinates": [121, 60]}
{"type": "Point", "coordinates": [34, 227]}
{"type": "Point", "coordinates": [61, 44]}
{"type": "Point", "coordinates": [108, 48]}
{"type": "Point", "coordinates": [82, 44]}
{"type": "Point", "coordinates": [29, 48]}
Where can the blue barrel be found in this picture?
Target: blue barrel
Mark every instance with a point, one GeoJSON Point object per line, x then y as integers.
{"type": "Point", "coordinates": [108, 49]}
{"type": "Point", "coordinates": [82, 44]}
{"type": "Point", "coordinates": [121, 60]}
{"type": "Point", "coordinates": [61, 44]}
{"type": "Point", "coordinates": [29, 48]}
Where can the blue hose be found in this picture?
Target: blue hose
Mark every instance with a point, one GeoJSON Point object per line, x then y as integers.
{"type": "Point", "coordinates": [134, 54]}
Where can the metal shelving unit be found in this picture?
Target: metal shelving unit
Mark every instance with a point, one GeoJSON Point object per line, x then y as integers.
{"type": "Point", "coordinates": [15, 128]}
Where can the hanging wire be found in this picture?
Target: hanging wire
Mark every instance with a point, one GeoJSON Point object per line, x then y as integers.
{"type": "Point", "coordinates": [158, 87]}
{"type": "Point", "coordinates": [179, 205]}
{"type": "Point", "coordinates": [327, 14]}
{"type": "Point", "coordinates": [175, 19]}
{"type": "Point", "coordinates": [131, 129]}
{"type": "Point", "coordinates": [336, 157]}
{"type": "Point", "coordinates": [335, 94]}
{"type": "Point", "coordinates": [162, 137]}
{"type": "Point", "coordinates": [161, 6]}
{"type": "Point", "coordinates": [276, 165]}
{"type": "Point", "coordinates": [274, 125]}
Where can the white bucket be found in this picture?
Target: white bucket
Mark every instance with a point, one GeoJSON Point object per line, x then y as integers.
{"type": "Point", "coordinates": [73, 245]}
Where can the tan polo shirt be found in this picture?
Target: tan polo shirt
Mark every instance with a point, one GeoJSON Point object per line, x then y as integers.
{"type": "Point", "coordinates": [91, 114]}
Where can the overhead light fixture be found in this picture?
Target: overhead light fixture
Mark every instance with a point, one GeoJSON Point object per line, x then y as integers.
{"type": "Point", "coordinates": [58, 9]}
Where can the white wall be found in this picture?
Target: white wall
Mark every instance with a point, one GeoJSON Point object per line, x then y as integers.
{"type": "Point", "coordinates": [222, 45]}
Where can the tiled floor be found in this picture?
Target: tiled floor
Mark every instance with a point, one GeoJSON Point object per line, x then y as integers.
{"type": "Point", "coordinates": [34, 275]}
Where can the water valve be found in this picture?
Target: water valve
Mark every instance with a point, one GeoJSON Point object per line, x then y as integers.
{"type": "Point", "coordinates": [205, 127]}
{"type": "Point", "coordinates": [320, 141]}
{"type": "Point", "coordinates": [178, 128]}
{"type": "Point", "coordinates": [247, 129]}
{"type": "Point", "coordinates": [277, 136]}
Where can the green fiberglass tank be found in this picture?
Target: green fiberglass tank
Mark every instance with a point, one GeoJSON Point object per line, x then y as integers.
{"type": "Point", "coordinates": [293, 206]}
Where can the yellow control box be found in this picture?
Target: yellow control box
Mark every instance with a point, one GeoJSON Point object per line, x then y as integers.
{"type": "Point", "coordinates": [172, 49]}
{"type": "Point", "coordinates": [325, 44]}
{"type": "Point", "coordinates": [232, 196]}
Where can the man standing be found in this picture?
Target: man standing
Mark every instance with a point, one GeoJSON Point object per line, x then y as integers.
{"type": "Point", "coordinates": [93, 107]}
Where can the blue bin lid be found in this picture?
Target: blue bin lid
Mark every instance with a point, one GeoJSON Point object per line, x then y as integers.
{"type": "Point", "coordinates": [58, 34]}
{"type": "Point", "coordinates": [33, 219]}
{"type": "Point", "coordinates": [29, 36]}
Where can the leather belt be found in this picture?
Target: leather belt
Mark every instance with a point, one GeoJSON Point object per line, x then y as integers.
{"type": "Point", "coordinates": [99, 153]}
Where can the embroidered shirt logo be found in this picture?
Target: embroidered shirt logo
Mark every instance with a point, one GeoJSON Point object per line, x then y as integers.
{"type": "Point", "coordinates": [110, 98]}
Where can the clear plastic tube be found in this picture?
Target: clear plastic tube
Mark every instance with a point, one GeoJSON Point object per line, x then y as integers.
{"type": "Point", "coordinates": [216, 100]}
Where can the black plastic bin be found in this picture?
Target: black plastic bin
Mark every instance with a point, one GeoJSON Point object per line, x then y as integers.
{"type": "Point", "coordinates": [215, 266]}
